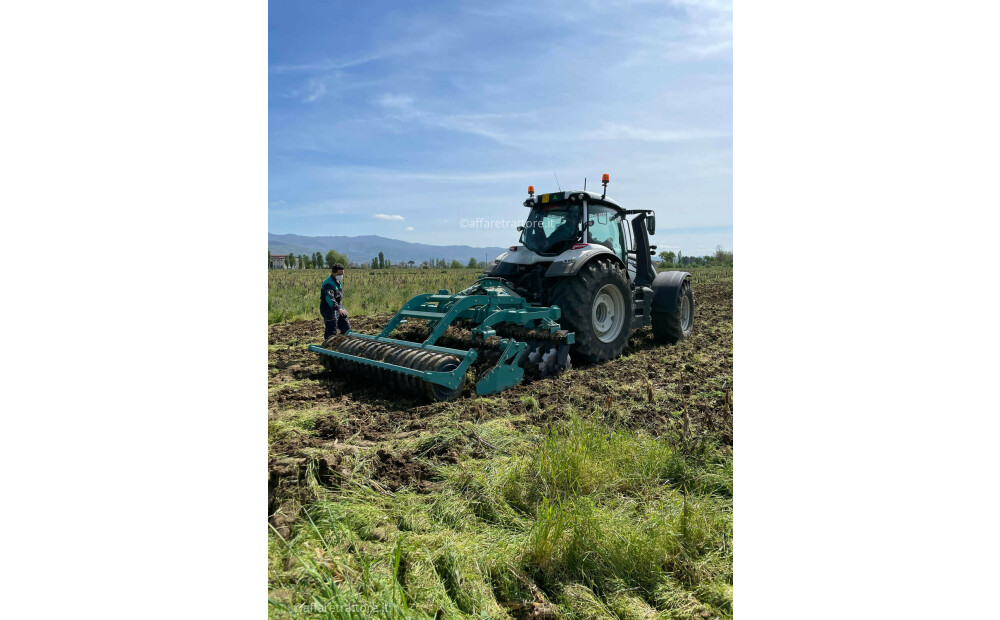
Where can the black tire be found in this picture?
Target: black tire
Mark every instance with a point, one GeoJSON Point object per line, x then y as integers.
{"type": "Point", "coordinates": [669, 327]}
{"type": "Point", "coordinates": [577, 297]}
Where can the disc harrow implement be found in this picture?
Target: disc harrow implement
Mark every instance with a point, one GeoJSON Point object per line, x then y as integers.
{"type": "Point", "coordinates": [496, 314]}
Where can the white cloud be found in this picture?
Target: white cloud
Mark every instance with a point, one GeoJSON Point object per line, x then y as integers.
{"type": "Point", "coordinates": [401, 102]}
{"type": "Point", "coordinates": [383, 216]}
{"type": "Point", "coordinates": [409, 228]}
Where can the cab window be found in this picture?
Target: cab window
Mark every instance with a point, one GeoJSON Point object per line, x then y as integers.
{"type": "Point", "coordinates": [606, 229]}
{"type": "Point", "coordinates": [551, 230]}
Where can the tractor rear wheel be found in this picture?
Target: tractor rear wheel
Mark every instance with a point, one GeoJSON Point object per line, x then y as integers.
{"type": "Point", "coordinates": [596, 305]}
{"type": "Point", "coordinates": [669, 327]}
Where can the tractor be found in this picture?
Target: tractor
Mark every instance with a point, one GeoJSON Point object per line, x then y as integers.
{"type": "Point", "coordinates": [579, 281]}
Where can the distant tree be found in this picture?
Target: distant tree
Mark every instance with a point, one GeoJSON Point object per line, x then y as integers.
{"type": "Point", "coordinates": [290, 261]}
{"type": "Point", "coordinates": [455, 264]}
{"type": "Point", "coordinates": [375, 262]}
{"type": "Point", "coordinates": [269, 259]}
{"type": "Point", "coordinates": [667, 257]}
{"type": "Point", "coordinates": [333, 257]}
{"type": "Point", "coordinates": [473, 263]}
{"type": "Point", "coordinates": [381, 260]}
{"type": "Point", "coordinates": [722, 256]}
{"type": "Point", "coordinates": [410, 263]}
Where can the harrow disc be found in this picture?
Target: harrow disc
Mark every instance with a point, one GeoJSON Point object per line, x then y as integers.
{"type": "Point", "coordinates": [396, 354]}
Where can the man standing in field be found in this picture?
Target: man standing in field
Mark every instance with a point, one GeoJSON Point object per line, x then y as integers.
{"type": "Point", "coordinates": [331, 298]}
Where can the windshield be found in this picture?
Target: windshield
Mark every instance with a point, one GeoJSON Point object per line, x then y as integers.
{"type": "Point", "coordinates": [551, 230]}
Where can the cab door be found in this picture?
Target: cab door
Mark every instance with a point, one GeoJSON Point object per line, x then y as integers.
{"type": "Point", "coordinates": [606, 229]}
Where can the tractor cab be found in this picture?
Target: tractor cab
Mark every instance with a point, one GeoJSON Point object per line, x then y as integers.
{"type": "Point", "coordinates": [578, 221]}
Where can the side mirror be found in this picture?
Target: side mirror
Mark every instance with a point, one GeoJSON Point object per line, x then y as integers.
{"type": "Point", "coordinates": [651, 223]}
{"type": "Point", "coordinates": [520, 229]}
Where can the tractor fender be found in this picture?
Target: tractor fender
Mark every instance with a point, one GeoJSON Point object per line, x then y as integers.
{"type": "Point", "coordinates": [569, 263]}
{"type": "Point", "coordinates": [666, 287]}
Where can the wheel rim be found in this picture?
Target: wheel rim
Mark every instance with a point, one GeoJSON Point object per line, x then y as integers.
{"type": "Point", "coordinates": [441, 392]}
{"type": "Point", "coordinates": [685, 313]}
{"type": "Point", "coordinates": [608, 313]}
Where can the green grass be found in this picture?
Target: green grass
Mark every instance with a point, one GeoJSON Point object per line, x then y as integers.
{"type": "Point", "coordinates": [602, 521]}
{"type": "Point", "coordinates": [293, 294]}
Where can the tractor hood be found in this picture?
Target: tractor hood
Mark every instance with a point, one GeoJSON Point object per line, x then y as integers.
{"type": "Point", "coordinates": [566, 263]}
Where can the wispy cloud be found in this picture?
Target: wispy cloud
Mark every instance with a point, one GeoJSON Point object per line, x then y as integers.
{"type": "Point", "coordinates": [383, 216]}
{"type": "Point", "coordinates": [396, 102]}
{"type": "Point", "coordinates": [514, 130]}
{"type": "Point", "coordinates": [328, 64]}
{"type": "Point", "coordinates": [628, 132]}
{"type": "Point", "coordinates": [316, 89]}
{"type": "Point", "coordinates": [383, 175]}
{"type": "Point", "coordinates": [409, 228]}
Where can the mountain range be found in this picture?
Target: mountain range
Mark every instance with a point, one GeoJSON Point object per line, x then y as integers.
{"type": "Point", "coordinates": [366, 247]}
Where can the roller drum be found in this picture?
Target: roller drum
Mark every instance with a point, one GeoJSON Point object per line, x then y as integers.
{"type": "Point", "coordinates": [397, 355]}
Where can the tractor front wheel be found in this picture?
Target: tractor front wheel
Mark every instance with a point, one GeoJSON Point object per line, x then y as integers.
{"type": "Point", "coordinates": [596, 305]}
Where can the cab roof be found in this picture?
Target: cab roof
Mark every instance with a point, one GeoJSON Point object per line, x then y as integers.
{"type": "Point", "coordinates": [576, 196]}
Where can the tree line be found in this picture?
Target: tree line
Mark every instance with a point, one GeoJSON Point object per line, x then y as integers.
{"type": "Point", "coordinates": [380, 262]}
{"type": "Point", "coordinates": [317, 260]}
{"type": "Point", "coordinates": [720, 257]}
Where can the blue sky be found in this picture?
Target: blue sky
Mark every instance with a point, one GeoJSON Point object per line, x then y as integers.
{"type": "Point", "coordinates": [402, 119]}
